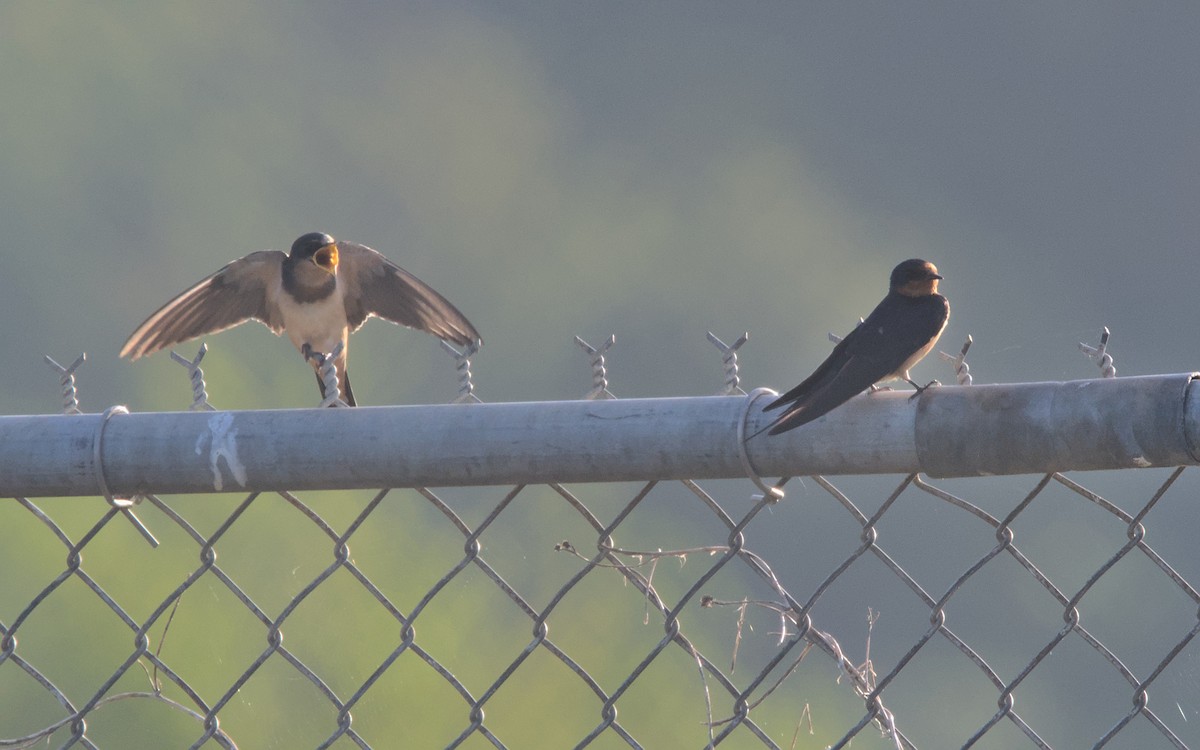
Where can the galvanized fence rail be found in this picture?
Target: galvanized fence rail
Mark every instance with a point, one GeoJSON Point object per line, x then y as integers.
{"type": "Point", "coordinates": [528, 601]}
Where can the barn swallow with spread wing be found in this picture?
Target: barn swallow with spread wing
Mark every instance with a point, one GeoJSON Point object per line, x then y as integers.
{"type": "Point", "coordinates": [319, 293]}
{"type": "Point", "coordinates": [897, 334]}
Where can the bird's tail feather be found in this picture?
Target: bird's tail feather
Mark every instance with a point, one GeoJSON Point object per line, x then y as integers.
{"type": "Point", "coordinates": [763, 429]}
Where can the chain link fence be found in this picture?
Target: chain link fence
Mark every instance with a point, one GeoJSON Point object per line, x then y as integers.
{"type": "Point", "coordinates": [873, 610]}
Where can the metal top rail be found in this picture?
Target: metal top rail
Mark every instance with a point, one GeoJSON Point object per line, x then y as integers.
{"type": "Point", "coordinates": [1107, 423]}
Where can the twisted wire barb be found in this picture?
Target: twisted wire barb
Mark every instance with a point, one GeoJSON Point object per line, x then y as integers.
{"type": "Point", "coordinates": [328, 374]}
{"type": "Point", "coordinates": [196, 376]}
{"type": "Point", "coordinates": [599, 371]}
{"type": "Point", "coordinates": [1100, 354]}
{"type": "Point", "coordinates": [462, 365]}
{"type": "Point", "coordinates": [70, 396]}
{"type": "Point", "coordinates": [729, 359]}
{"type": "Point", "coordinates": [838, 339]}
{"type": "Point", "coordinates": [962, 371]}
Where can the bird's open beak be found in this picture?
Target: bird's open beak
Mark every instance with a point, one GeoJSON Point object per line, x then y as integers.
{"type": "Point", "coordinates": [327, 258]}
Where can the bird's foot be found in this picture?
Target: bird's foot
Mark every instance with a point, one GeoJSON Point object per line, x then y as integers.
{"type": "Point", "coordinates": [921, 388]}
{"type": "Point", "coordinates": [877, 388]}
{"type": "Point", "coordinates": [310, 353]}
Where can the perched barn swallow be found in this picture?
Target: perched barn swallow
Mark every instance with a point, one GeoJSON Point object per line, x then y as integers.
{"type": "Point", "coordinates": [319, 293]}
{"type": "Point", "coordinates": [900, 331]}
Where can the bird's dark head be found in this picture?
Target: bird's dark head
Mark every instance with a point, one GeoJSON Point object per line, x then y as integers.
{"type": "Point", "coordinates": [915, 278]}
{"type": "Point", "coordinates": [318, 247]}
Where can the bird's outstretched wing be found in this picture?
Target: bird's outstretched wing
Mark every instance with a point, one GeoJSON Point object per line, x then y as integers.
{"type": "Point", "coordinates": [236, 293]}
{"type": "Point", "coordinates": [876, 349]}
{"type": "Point", "coordinates": [376, 286]}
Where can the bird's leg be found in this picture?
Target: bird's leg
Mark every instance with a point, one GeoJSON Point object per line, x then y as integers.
{"type": "Point", "coordinates": [920, 388]}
